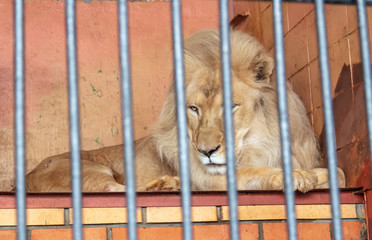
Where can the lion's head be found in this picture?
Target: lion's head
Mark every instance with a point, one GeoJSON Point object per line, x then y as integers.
{"type": "Point", "coordinates": [257, 141]}
{"type": "Point", "coordinates": [251, 70]}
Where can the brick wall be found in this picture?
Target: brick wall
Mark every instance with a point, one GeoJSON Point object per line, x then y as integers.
{"type": "Point", "coordinates": [209, 222]}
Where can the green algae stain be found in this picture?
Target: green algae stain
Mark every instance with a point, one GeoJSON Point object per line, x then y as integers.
{"type": "Point", "coordinates": [116, 132]}
{"type": "Point", "coordinates": [93, 89]}
{"type": "Point", "coordinates": [96, 92]}
{"type": "Point", "coordinates": [99, 142]}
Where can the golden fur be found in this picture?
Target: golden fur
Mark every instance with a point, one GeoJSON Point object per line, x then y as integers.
{"type": "Point", "coordinates": [257, 142]}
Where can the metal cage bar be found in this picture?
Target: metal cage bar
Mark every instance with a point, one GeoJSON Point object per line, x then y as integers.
{"type": "Point", "coordinates": [20, 119]}
{"type": "Point", "coordinates": [181, 115]}
{"type": "Point", "coordinates": [181, 119]}
{"type": "Point", "coordinates": [283, 119]}
{"type": "Point", "coordinates": [365, 54]}
{"type": "Point", "coordinates": [328, 120]}
{"type": "Point", "coordinates": [127, 119]}
{"type": "Point", "coordinates": [229, 121]}
{"type": "Point", "coordinates": [74, 118]}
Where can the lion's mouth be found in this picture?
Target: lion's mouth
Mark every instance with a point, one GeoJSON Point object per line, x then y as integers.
{"type": "Point", "coordinates": [216, 164]}
{"type": "Point", "coordinates": [216, 168]}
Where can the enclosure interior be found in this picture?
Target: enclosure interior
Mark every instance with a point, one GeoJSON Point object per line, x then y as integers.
{"type": "Point", "coordinates": [151, 55]}
{"type": "Point", "coordinates": [47, 127]}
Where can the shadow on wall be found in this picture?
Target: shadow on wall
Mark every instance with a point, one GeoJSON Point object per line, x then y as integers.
{"type": "Point", "coordinates": [350, 127]}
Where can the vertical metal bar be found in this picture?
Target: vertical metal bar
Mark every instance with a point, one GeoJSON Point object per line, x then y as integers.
{"type": "Point", "coordinates": [19, 119]}
{"type": "Point", "coordinates": [365, 53]}
{"type": "Point", "coordinates": [74, 118]}
{"type": "Point", "coordinates": [181, 119]}
{"type": "Point", "coordinates": [328, 119]}
{"type": "Point", "coordinates": [130, 170]}
{"type": "Point", "coordinates": [229, 121]}
{"type": "Point", "coordinates": [283, 117]}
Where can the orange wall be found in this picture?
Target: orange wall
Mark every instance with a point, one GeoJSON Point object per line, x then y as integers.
{"type": "Point", "coordinates": [97, 34]}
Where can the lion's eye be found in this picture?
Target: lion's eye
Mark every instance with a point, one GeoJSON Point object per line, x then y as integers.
{"type": "Point", "coordinates": [194, 108]}
{"type": "Point", "coordinates": [235, 106]}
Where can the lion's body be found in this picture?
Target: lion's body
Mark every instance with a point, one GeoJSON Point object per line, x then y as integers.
{"type": "Point", "coordinates": [257, 136]}
{"type": "Point", "coordinates": [102, 169]}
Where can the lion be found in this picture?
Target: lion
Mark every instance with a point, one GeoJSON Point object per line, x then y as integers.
{"type": "Point", "coordinates": [256, 129]}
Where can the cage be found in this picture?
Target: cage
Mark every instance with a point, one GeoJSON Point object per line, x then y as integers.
{"type": "Point", "coordinates": [159, 215]}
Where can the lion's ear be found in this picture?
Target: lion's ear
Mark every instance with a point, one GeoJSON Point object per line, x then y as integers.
{"type": "Point", "coordinates": [263, 66]}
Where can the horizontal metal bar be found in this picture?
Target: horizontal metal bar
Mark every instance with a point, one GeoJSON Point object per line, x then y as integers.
{"type": "Point", "coordinates": [130, 170]}
{"type": "Point", "coordinates": [181, 119]}
{"type": "Point", "coordinates": [347, 2]}
{"type": "Point", "coordinates": [19, 119]}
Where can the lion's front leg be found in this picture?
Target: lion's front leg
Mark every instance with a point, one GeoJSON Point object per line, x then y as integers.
{"type": "Point", "coordinates": [303, 180]}
{"type": "Point", "coordinates": [265, 178]}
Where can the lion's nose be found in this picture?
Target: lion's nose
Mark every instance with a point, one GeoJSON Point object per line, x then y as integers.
{"type": "Point", "coordinates": [209, 152]}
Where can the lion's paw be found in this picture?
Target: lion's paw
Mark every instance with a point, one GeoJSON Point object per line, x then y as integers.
{"type": "Point", "coordinates": [303, 181]}
{"type": "Point", "coordinates": [275, 181]}
{"type": "Point", "coordinates": [114, 188]}
{"type": "Point", "coordinates": [164, 183]}
{"type": "Point", "coordinates": [323, 182]}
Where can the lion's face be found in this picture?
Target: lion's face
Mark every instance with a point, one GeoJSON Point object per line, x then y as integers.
{"type": "Point", "coordinates": [206, 120]}
{"type": "Point", "coordinates": [251, 67]}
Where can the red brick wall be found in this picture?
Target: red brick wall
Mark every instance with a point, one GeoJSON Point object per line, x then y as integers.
{"type": "Point", "coordinates": [209, 222]}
